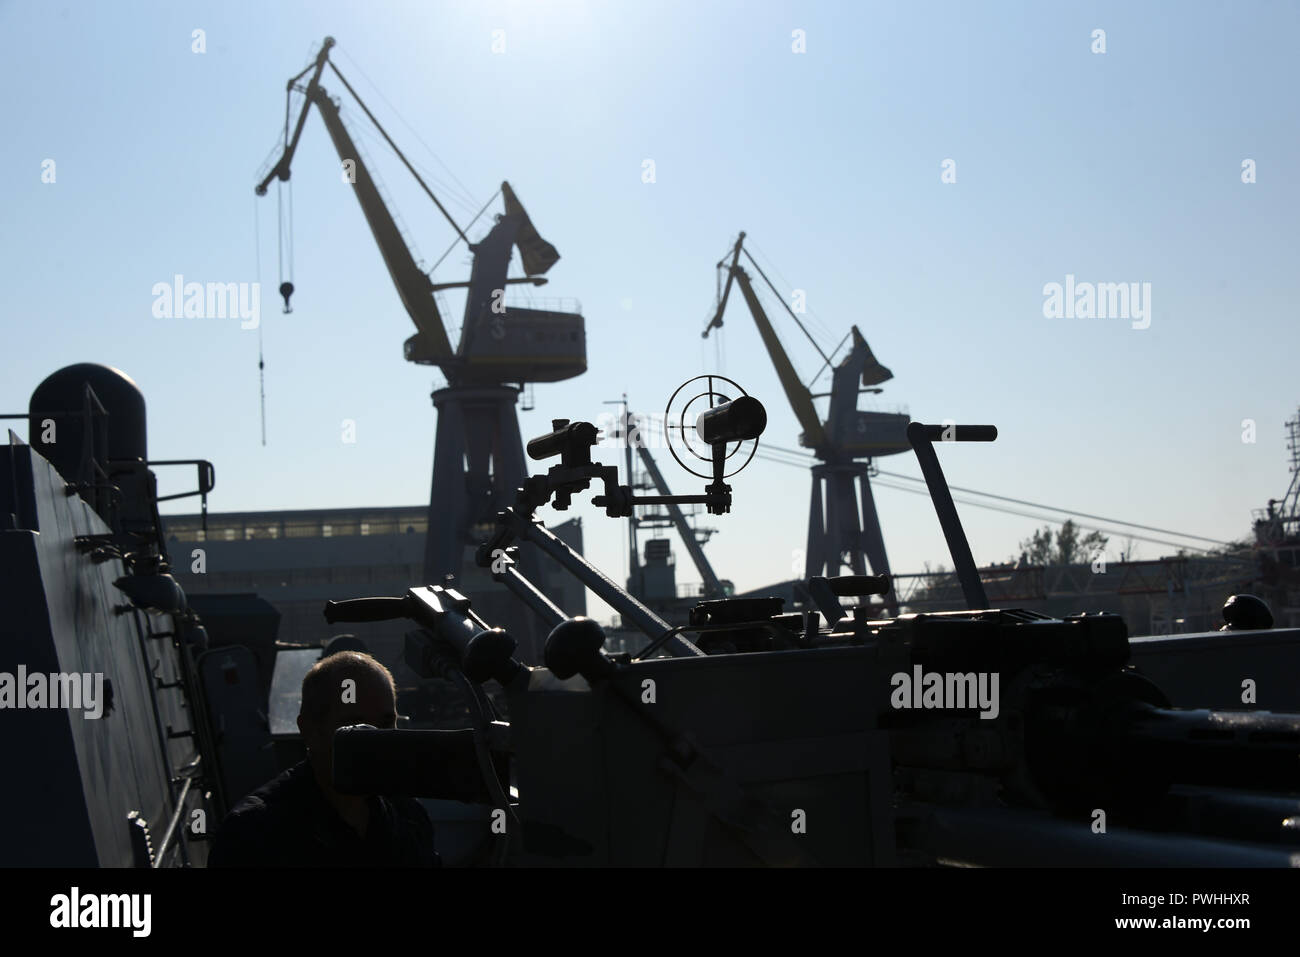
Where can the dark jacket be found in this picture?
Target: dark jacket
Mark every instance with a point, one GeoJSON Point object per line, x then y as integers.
{"type": "Point", "coordinates": [289, 823]}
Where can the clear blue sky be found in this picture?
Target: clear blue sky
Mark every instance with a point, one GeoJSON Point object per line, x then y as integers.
{"type": "Point", "coordinates": [1115, 167]}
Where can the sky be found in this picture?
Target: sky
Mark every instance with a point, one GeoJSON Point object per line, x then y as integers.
{"type": "Point", "coordinates": [922, 170]}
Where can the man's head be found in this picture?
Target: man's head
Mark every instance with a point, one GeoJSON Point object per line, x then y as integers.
{"type": "Point", "coordinates": [345, 688]}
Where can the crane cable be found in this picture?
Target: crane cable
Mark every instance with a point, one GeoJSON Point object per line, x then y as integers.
{"type": "Point", "coordinates": [811, 314]}
{"type": "Point", "coordinates": [466, 197]}
{"type": "Point", "coordinates": [400, 155]}
{"type": "Point", "coordinates": [284, 239]}
{"type": "Point", "coordinates": [261, 364]}
{"type": "Point", "coordinates": [468, 227]}
{"type": "Point", "coordinates": [286, 288]}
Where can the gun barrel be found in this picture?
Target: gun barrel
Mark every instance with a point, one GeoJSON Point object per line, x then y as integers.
{"type": "Point", "coordinates": [1245, 749]}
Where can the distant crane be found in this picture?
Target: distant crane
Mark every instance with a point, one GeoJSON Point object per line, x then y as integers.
{"type": "Point", "coordinates": [644, 579]}
{"type": "Point", "coordinates": [478, 454]}
{"type": "Point", "coordinates": [839, 532]}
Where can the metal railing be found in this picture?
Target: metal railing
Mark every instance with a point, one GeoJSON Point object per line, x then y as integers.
{"type": "Point", "coordinates": [547, 303]}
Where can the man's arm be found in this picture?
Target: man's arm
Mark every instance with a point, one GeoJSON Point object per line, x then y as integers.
{"type": "Point", "coordinates": [243, 838]}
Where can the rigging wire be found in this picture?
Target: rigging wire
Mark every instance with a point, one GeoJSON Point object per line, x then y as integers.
{"type": "Point", "coordinates": [362, 133]}
{"type": "Point", "coordinates": [400, 155]}
{"type": "Point", "coordinates": [1018, 501]}
{"type": "Point", "coordinates": [290, 241]}
{"type": "Point", "coordinates": [1052, 508]}
{"type": "Point", "coordinates": [467, 195]}
{"type": "Point", "coordinates": [767, 457]}
{"type": "Point", "coordinates": [288, 97]}
{"type": "Point", "coordinates": [1009, 511]}
{"type": "Point", "coordinates": [281, 232]}
{"type": "Point", "coordinates": [261, 363]}
{"type": "Point", "coordinates": [813, 318]}
{"type": "Point", "coordinates": [284, 240]}
{"type": "Point", "coordinates": [468, 226]}
{"type": "Point", "coordinates": [279, 218]}
{"type": "Point", "coordinates": [998, 508]}
{"type": "Point", "coordinates": [765, 296]}
{"type": "Point", "coordinates": [786, 305]}
{"type": "Point", "coordinates": [364, 143]}
{"type": "Point", "coordinates": [827, 364]}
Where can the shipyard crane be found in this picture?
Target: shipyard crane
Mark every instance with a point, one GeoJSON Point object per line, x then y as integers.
{"type": "Point", "coordinates": [478, 453]}
{"type": "Point", "coordinates": [633, 430]}
{"type": "Point", "coordinates": [841, 532]}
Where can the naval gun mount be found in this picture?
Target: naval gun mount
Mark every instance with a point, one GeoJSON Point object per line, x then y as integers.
{"type": "Point", "coordinates": [987, 736]}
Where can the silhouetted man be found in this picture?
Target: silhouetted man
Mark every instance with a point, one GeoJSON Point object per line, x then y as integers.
{"type": "Point", "coordinates": [298, 819]}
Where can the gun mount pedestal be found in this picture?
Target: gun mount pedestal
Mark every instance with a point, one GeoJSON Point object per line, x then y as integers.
{"type": "Point", "coordinates": [478, 463]}
{"type": "Point", "coordinates": [735, 421]}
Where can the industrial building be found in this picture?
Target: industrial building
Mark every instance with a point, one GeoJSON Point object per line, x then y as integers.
{"type": "Point", "coordinates": [297, 560]}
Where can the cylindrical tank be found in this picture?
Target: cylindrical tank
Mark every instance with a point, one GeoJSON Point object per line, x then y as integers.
{"type": "Point", "coordinates": [122, 436]}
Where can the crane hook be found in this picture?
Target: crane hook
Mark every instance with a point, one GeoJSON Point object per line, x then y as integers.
{"type": "Point", "coordinates": [286, 290]}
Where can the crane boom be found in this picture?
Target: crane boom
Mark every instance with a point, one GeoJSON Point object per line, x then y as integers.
{"type": "Point", "coordinates": [413, 286]}
{"type": "Point", "coordinates": [814, 435]}
{"type": "Point", "coordinates": [843, 527]}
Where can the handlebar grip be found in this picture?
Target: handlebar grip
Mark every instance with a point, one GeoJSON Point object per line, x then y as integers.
{"type": "Point", "coordinates": [917, 432]}
{"type": "Point", "coordinates": [366, 609]}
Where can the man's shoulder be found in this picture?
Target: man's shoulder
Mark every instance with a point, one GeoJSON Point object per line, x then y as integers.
{"type": "Point", "coordinates": [276, 794]}
{"type": "Point", "coordinates": [286, 786]}
{"type": "Point", "coordinates": [248, 827]}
